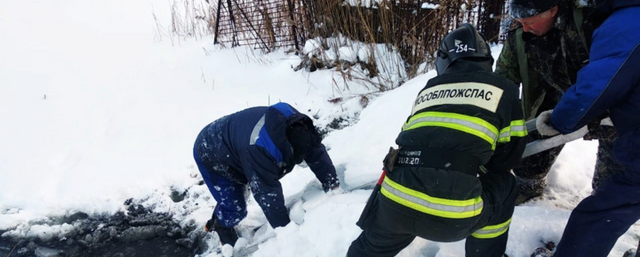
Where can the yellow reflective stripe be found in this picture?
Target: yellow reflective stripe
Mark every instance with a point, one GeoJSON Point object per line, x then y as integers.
{"type": "Point", "coordinates": [446, 208]}
{"type": "Point", "coordinates": [461, 122]}
{"type": "Point", "coordinates": [492, 231]}
{"type": "Point", "coordinates": [517, 128]}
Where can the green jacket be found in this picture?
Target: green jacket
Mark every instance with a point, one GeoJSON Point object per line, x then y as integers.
{"type": "Point", "coordinates": [546, 65]}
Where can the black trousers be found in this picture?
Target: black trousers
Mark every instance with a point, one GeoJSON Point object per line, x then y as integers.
{"type": "Point", "coordinates": [389, 227]}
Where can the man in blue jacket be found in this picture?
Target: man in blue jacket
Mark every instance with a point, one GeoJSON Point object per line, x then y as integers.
{"type": "Point", "coordinates": [256, 147]}
{"type": "Point", "coordinates": [608, 86]}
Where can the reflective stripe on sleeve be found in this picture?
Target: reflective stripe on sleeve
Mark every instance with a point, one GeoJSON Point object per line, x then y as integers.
{"type": "Point", "coordinates": [517, 128]}
{"type": "Point", "coordinates": [446, 208]}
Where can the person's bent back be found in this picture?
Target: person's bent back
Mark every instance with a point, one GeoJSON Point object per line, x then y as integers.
{"type": "Point", "coordinates": [450, 178]}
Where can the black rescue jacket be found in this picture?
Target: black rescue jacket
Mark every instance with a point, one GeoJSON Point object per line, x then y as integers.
{"type": "Point", "coordinates": [462, 124]}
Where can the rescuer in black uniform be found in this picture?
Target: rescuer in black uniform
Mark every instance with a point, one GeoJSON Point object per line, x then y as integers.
{"type": "Point", "coordinates": [450, 178]}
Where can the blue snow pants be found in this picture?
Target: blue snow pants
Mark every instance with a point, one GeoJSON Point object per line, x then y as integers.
{"type": "Point", "coordinates": [600, 219]}
{"type": "Point", "coordinates": [231, 207]}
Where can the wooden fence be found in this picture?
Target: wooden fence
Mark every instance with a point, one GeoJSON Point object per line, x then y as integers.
{"type": "Point", "coordinates": [414, 27]}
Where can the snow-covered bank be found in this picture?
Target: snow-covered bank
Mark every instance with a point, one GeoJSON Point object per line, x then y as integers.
{"type": "Point", "coordinates": [96, 111]}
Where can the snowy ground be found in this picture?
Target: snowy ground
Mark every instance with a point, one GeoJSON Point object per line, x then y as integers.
{"type": "Point", "coordinates": [97, 109]}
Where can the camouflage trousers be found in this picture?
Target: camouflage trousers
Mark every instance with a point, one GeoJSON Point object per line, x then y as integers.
{"type": "Point", "coordinates": [531, 174]}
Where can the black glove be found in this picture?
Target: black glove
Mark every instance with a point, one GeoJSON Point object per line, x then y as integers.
{"type": "Point", "coordinates": [389, 161]}
{"type": "Point", "coordinates": [597, 131]}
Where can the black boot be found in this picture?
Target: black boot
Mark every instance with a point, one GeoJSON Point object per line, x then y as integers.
{"type": "Point", "coordinates": [542, 252]}
{"type": "Point", "coordinates": [227, 235]}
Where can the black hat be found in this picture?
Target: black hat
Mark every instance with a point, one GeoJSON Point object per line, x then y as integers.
{"type": "Point", "coordinates": [520, 9]}
{"type": "Point", "coordinates": [300, 139]}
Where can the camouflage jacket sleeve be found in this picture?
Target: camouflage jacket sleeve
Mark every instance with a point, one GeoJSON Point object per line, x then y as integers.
{"type": "Point", "coordinates": [507, 64]}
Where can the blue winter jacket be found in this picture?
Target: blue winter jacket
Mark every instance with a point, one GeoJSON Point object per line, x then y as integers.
{"type": "Point", "coordinates": [253, 143]}
{"type": "Point", "coordinates": [609, 83]}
